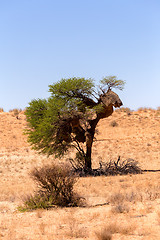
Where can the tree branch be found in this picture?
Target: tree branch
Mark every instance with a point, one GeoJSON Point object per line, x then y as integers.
{"type": "Point", "coordinates": [78, 147]}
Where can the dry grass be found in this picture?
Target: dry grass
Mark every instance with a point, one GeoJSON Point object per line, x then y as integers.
{"type": "Point", "coordinates": [114, 228]}
{"type": "Point", "coordinates": [118, 207]}
{"type": "Point", "coordinates": [158, 217]}
{"type": "Point", "coordinates": [74, 229]}
{"type": "Point", "coordinates": [104, 235]}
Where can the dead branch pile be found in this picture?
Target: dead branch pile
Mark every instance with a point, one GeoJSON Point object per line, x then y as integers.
{"type": "Point", "coordinates": [128, 166]}
{"type": "Point", "coordinates": [111, 168]}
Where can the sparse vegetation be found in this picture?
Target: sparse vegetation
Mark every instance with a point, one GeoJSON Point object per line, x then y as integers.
{"type": "Point", "coordinates": [114, 227]}
{"type": "Point", "coordinates": [124, 109]}
{"type": "Point", "coordinates": [118, 207]}
{"type": "Point", "coordinates": [113, 124]}
{"type": "Point", "coordinates": [144, 109]}
{"type": "Point", "coordinates": [75, 229]}
{"type": "Point", "coordinates": [129, 166]}
{"type": "Point", "coordinates": [104, 235]}
{"type": "Point", "coordinates": [111, 168]}
{"type": "Point", "coordinates": [55, 188]}
{"type": "Point", "coordinates": [16, 112]}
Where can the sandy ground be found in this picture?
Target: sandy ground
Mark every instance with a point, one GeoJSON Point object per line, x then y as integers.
{"type": "Point", "coordinates": [118, 207]}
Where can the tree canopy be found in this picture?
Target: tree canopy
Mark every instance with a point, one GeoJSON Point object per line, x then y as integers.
{"type": "Point", "coordinates": [68, 118]}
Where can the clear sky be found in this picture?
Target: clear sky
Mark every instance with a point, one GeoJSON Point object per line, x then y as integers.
{"type": "Point", "coordinates": [42, 41]}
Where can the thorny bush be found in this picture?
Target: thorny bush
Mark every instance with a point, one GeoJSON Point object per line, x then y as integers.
{"type": "Point", "coordinates": [55, 187]}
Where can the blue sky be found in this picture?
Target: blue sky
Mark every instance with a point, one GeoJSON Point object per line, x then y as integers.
{"type": "Point", "coordinates": [44, 41]}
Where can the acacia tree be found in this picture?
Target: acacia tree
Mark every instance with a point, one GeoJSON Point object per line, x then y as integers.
{"type": "Point", "coordinates": [68, 118]}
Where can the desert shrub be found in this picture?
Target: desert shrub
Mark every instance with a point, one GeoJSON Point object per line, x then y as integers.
{"type": "Point", "coordinates": [115, 227]}
{"type": "Point", "coordinates": [120, 208]}
{"type": "Point", "coordinates": [144, 109]}
{"type": "Point", "coordinates": [55, 188]}
{"type": "Point", "coordinates": [113, 123]}
{"type": "Point", "coordinates": [124, 109]}
{"type": "Point", "coordinates": [140, 109]}
{"type": "Point", "coordinates": [104, 235]}
{"type": "Point", "coordinates": [129, 166]}
{"type": "Point", "coordinates": [15, 112]}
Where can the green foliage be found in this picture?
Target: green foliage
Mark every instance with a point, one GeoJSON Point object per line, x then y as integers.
{"type": "Point", "coordinates": [98, 108]}
{"type": "Point", "coordinates": [44, 122]}
{"type": "Point", "coordinates": [50, 122]}
{"type": "Point", "coordinates": [47, 128]}
{"type": "Point", "coordinates": [73, 92]}
{"type": "Point", "coordinates": [72, 88]}
{"type": "Point", "coordinates": [34, 202]}
{"type": "Point", "coordinates": [55, 187]}
{"type": "Point", "coordinates": [112, 82]}
{"type": "Point", "coordinates": [35, 112]}
{"type": "Point", "coordinates": [39, 125]}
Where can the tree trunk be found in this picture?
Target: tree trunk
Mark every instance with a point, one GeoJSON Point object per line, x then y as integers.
{"type": "Point", "coordinates": [88, 164]}
{"type": "Point", "coordinates": [89, 142]}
